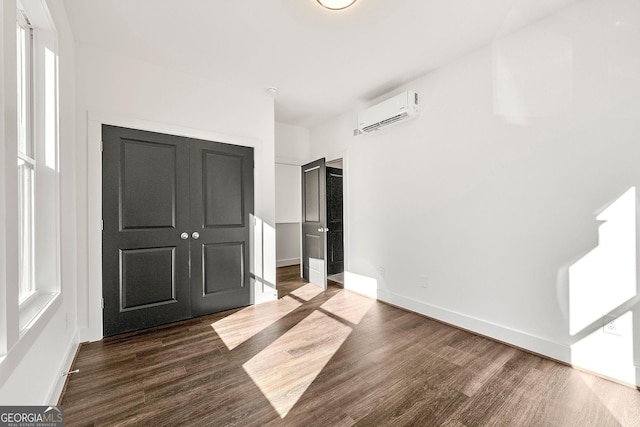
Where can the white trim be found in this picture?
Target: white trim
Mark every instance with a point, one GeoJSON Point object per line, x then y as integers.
{"type": "Point", "coordinates": [6, 134]}
{"type": "Point", "coordinates": [65, 366]}
{"type": "Point", "coordinates": [27, 339]}
{"type": "Point", "coordinates": [95, 120]}
{"type": "Point", "coordinates": [151, 126]}
{"type": "Point", "coordinates": [501, 333]}
{"type": "Point", "coordinates": [32, 308]}
{"type": "Point", "coordinates": [291, 161]}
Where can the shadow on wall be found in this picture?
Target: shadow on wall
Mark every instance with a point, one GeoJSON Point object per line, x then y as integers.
{"type": "Point", "coordinates": [602, 295]}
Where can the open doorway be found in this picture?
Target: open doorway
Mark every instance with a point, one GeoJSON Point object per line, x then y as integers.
{"type": "Point", "coordinates": [322, 227]}
{"type": "Point", "coordinates": [335, 221]}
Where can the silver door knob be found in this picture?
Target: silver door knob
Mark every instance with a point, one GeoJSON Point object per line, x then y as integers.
{"type": "Point", "coordinates": [184, 236]}
{"type": "Point", "coordinates": [320, 229]}
{"type": "Point", "coordinates": [195, 235]}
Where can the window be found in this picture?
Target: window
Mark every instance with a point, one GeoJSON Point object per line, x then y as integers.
{"type": "Point", "coordinates": [37, 161]}
{"type": "Point", "coordinates": [30, 251]}
{"type": "Point", "coordinates": [26, 159]}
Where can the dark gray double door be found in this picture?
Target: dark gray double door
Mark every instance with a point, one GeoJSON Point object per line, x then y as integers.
{"type": "Point", "coordinates": [176, 228]}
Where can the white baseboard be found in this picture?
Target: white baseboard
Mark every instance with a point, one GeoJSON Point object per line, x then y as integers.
{"type": "Point", "coordinates": [56, 390]}
{"type": "Point", "coordinates": [501, 333]}
{"type": "Point", "coordinates": [287, 262]}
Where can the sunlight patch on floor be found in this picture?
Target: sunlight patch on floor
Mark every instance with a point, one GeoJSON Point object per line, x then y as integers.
{"type": "Point", "coordinates": [308, 291]}
{"type": "Point", "coordinates": [248, 322]}
{"type": "Point", "coordinates": [285, 369]}
{"type": "Point", "coordinates": [615, 403]}
{"type": "Point", "coordinates": [349, 306]}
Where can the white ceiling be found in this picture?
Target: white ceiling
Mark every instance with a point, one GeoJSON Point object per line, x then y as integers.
{"type": "Point", "coordinates": [322, 62]}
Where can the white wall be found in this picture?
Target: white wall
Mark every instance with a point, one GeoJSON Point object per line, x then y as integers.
{"type": "Point", "coordinates": [292, 146]}
{"type": "Point", "coordinates": [288, 207]}
{"type": "Point", "coordinates": [30, 374]}
{"type": "Point", "coordinates": [288, 193]}
{"type": "Point", "coordinates": [127, 92]}
{"type": "Point", "coordinates": [483, 212]}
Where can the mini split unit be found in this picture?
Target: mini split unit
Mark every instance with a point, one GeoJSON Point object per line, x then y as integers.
{"type": "Point", "coordinates": [387, 113]}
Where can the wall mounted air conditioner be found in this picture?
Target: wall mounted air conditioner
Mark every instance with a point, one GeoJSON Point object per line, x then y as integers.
{"type": "Point", "coordinates": [390, 112]}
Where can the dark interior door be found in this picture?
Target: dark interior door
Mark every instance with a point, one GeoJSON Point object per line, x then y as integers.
{"type": "Point", "coordinates": [314, 223]}
{"type": "Point", "coordinates": [335, 245]}
{"type": "Point", "coordinates": [176, 228]}
{"type": "Point", "coordinates": [145, 207]}
{"type": "Point", "coordinates": [221, 201]}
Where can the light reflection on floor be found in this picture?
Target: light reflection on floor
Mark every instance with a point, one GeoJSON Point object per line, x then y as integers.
{"type": "Point", "coordinates": [246, 323]}
{"type": "Point", "coordinates": [350, 307]}
{"type": "Point", "coordinates": [305, 350]}
{"type": "Point", "coordinates": [287, 367]}
{"type": "Point", "coordinates": [307, 292]}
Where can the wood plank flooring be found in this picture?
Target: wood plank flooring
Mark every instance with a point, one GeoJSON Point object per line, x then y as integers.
{"type": "Point", "coordinates": [330, 358]}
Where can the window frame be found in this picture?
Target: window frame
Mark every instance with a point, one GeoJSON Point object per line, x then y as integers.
{"type": "Point", "coordinates": [26, 155]}
{"type": "Point", "coordinates": [43, 129]}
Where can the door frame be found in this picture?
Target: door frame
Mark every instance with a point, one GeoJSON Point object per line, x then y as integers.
{"type": "Point", "coordinates": [308, 228]}
{"type": "Point", "coordinates": [90, 321]}
{"type": "Point", "coordinates": [336, 155]}
{"type": "Point", "coordinates": [329, 172]}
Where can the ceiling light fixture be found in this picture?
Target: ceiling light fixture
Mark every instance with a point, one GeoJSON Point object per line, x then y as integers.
{"type": "Point", "coordinates": [336, 4]}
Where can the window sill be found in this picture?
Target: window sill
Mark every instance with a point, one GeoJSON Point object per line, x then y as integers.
{"type": "Point", "coordinates": [33, 308]}
{"type": "Point", "coordinates": [35, 315]}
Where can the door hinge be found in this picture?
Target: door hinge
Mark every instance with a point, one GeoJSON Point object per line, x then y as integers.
{"type": "Point", "coordinates": [102, 303]}
{"type": "Point", "coordinates": [101, 146]}
{"type": "Point", "coordinates": [102, 224]}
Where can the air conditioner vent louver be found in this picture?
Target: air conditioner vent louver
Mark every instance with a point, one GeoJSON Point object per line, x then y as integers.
{"type": "Point", "coordinates": [389, 112]}
{"type": "Point", "coordinates": [385, 122]}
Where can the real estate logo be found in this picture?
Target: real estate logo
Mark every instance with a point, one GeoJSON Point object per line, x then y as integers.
{"type": "Point", "coordinates": [31, 416]}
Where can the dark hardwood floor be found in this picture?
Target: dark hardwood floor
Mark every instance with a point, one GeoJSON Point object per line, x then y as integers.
{"type": "Point", "coordinates": [330, 358]}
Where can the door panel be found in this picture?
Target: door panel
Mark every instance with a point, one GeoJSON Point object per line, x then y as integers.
{"type": "Point", "coordinates": [221, 201]}
{"type": "Point", "coordinates": [148, 178]}
{"type": "Point", "coordinates": [155, 188]}
{"type": "Point", "coordinates": [312, 195]}
{"type": "Point", "coordinates": [144, 209]}
{"type": "Point", "coordinates": [335, 245]}
{"type": "Point", "coordinates": [314, 253]}
{"type": "Point", "coordinates": [223, 267]}
{"type": "Point", "coordinates": [147, 277]}
{"type": "Point", "coordinates": [223, 190]}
